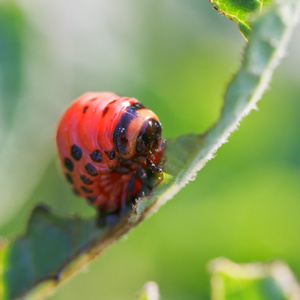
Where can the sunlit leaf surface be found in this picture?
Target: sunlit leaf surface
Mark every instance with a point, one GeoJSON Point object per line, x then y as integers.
{"type": "Point", "coordinates": [260, 281]}
{"type": "Point", "coordinates": [240, 11]}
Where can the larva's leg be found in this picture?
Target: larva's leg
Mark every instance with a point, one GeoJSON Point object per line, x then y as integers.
{"type": "Point", "coordinates": [104, 218]}
{"type": "Point", "coordinates": [153, 167]}
{"type": "Point", "coordinates": [130, 187]}
{"type": "Point", "coordinates": [143, 177]}
{"type": "Point", "coordinates": [111, 219]}
{"type": "Point", "coordinates": [123, 207]}
{"type": "Point", "coordinates": [101, 218]}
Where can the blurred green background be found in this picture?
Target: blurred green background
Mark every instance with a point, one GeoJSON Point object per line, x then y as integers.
{"type": "Point", "coordinates": [176, 57]}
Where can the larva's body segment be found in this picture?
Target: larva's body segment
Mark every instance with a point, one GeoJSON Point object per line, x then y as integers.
{"type": "Point", "coordinates": [104, 142]}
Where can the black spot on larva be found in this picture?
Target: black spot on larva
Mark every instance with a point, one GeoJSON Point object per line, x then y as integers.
{"type": "Point", "coordinates": [120, 133]}
{"type": "Point", "coordinates": [91, 199]}
{"type": "Point", "coordinates": [96, 156]}
{"type": "Point", "coordinates": [111, 154]}
{"type": "Point", "coordinates": [69, 178]}
{"type": "Point", "coordinates": [68, 164]}
{"type": "Point", "coordinates": [91, 169]}
{"type": "Point", "coordinates": [86, 190]}
{"type": "Point", "coordinates": [105, 110]}
{"type": "Point", "coordinates": [112, 102]}
{"type": "Point", "coordinates": [86, 180]}
{"type": "Point", "coordinates": [137, 106]}
{"type": "Point", "coordinates": [85, 109]}
{"type": "Point", "coordinates": [76, 152]}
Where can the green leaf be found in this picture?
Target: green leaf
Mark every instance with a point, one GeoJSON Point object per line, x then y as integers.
{"type": "Point", "coordinates": [232, 281]}
{"type": "Point", "coordinates": [260, 281]}
{"type": "Point", "coordinates": [11, 28]}
{"type": "Point", "coordinates": [54, 248]}
{"type": "Point", "coordinates": [239, 11]}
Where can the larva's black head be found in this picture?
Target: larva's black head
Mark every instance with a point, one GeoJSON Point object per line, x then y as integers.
{"type": "Point", "coordinates": [149, 137]}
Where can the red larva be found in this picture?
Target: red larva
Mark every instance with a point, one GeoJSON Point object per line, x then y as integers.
{"type": "Point", "coordinates": [108, 146]}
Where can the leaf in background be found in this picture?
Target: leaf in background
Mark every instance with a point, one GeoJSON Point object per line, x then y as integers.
{"type": "Point", "coordinates": [54, 248]}
{"type": "Point", "coordinates": [239, 11]}
{"type": "Point", "coordinates": [26, 145]}
{"type": "Point", "coordinates": [11, 24]}
{"type": "Point", "coordinates": [149, 292]}
{"type": "Point", "coordinates": [261, 281]}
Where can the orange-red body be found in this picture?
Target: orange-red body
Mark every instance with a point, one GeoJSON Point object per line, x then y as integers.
{"type": "Point", "coordinates": [91, 146]}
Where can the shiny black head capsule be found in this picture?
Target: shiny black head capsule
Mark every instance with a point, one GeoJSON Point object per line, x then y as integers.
{"type": "Point", "coordinates": [149, 137]}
